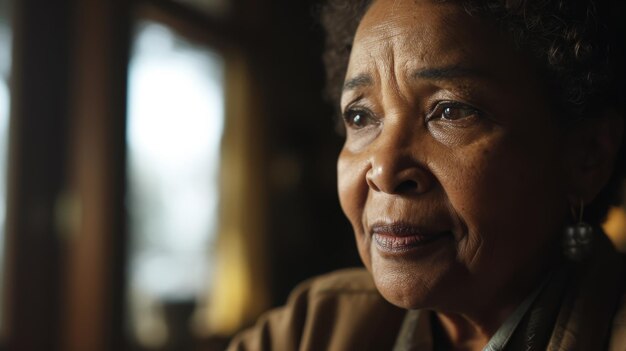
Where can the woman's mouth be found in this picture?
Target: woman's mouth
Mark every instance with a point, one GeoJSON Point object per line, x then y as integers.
{"type": "Point", "coordinates": [400, 238]}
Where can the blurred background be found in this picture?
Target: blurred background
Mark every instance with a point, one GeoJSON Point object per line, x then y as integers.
{"type": "Point", "coordinates": [167, 170]}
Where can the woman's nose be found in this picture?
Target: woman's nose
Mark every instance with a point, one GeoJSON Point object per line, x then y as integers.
{"type": "Point", "coordinates": [394, 170]}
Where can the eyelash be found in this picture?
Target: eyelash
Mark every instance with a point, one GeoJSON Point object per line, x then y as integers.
{"type": "Point", "coordinates": [441, 106]}
{"type": "Point", "coordinates": [351, 114]}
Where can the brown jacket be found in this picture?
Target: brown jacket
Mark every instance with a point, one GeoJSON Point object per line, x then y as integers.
{"type": "Point", "coordinates": [582, 308]}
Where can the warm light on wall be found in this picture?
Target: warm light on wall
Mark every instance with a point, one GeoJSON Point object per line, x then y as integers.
{"type": "Point", "coordinates": [240, 283]}
{"type": "Point", "coordinates": [615, 227]}
{"type": "Point", "coordinates": [233, 292]}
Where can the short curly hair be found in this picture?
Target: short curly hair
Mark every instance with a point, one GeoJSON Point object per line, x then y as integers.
{"type": "Point", "coordinates": [578, 45]}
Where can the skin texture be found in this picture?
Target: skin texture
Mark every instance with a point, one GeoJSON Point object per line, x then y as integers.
{"type": "Point", "coordinates": [450, 132]}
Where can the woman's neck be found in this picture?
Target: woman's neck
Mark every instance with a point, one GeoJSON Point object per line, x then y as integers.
{"type": "Point", "coordinates": [472, 329]}
{"type": "Point", "coordinates": [457, 332]}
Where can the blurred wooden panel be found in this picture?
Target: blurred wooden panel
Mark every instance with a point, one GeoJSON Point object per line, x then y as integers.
{"type": "Point", "coordinates": [37, 158]}
{"type": "Point", "coordinates": [94, 301]}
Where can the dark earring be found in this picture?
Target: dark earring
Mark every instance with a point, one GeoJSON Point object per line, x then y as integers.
{"type": "Point", "coordinates": [578, 238]}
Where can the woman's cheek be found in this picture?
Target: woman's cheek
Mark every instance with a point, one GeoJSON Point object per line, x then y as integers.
{"type": "Point", "coordinates": [463, 172]}
{"type": "Point", "coordinates": [353, 192]}
{"type": "Point", "coordinates": [352, 187]}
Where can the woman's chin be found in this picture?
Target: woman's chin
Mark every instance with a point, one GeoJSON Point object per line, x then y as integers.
{"type": "Point", "coordinates": [409, 295]}
{"type": "Point", "coordinates": [413, 280]}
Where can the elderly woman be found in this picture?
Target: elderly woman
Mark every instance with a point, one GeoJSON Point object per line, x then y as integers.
{"type": "Point", "coordinates": [483, 149]}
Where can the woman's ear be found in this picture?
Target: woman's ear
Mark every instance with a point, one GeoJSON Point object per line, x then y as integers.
{"type": "Point", "coordinates": [592, 146]}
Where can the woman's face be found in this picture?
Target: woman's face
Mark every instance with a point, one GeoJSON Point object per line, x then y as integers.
{"type": "Point", "coordinates": [451, 172]}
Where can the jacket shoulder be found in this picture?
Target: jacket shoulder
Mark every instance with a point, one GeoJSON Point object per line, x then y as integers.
{"type": "Point", "coordinates": [341, 310]}
{"type": "Point", "coordinates": [345, 281]}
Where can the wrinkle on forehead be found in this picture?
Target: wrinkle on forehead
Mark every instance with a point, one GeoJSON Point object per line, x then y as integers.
{"type": "Point", "coordinates": [382, 13]}
{"type": "Point", "coordinates": [422, 34]}
{"type": "Point", "coordinates": [403, 26]}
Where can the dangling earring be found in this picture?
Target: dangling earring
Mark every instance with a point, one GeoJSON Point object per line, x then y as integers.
{"type": "Point", "coordinates": [578, 238]}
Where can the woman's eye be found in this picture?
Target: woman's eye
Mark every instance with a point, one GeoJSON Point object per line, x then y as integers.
{"type": "Point", "coordinates": [452, 111]}
{"type": "Point", "coordinates": [358, 119]}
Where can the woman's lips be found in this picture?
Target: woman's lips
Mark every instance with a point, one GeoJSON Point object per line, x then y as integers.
{"type": "Point", "coordinates": [398, 238]}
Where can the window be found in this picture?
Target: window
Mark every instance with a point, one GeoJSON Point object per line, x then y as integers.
{"type": "Point", "coordinates": [5, 69]}
{"type": "Point", "coordinates": [175, 122]}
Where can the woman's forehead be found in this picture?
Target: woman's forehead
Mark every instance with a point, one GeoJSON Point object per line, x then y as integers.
{"type": "Point", "coordinates": [389, 18]}
{"type": "Point", "coordinates": [405, 36]}
{"type": "Point", "coordinates": [419, 24]}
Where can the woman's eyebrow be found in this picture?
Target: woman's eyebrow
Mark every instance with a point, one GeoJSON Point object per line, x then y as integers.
{"type": "Point", "coordinates": [435, 73]}
{"type": "Point", "coordinates": [359, 81]}
{"type": "Point", "coordinates": [446, 73]}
